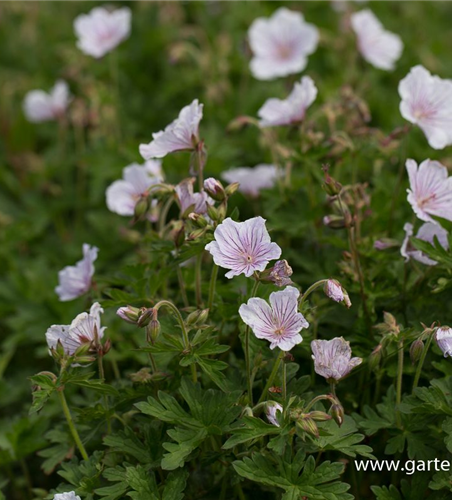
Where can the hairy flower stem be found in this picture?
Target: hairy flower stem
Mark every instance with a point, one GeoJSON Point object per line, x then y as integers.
{"type": "Point", "coordinates": [71, 425]}
{"type": "Point", "coordinates": [315, 400]}
{"type": "Point", "coordinates": [284, 381]}
{"type": "Point", "coordinates": [247, 351]}
{"type": "Point", "coordinates": [272, 377]}
{"type": "Point", "coordinates": [308, 292]}
{"type": "Point", "coordinates": [198, 291]}
{"type": "Point", "coordinates": [212, 284]}
{"type": "Point", "coordinates": [399, 382]}
{"type": "Point", "coordinates": [105, 397]}
{"type": "Point", "coordinates": [182, 287]}
{"type": "Point", "coordinates": [421, 362]}
{"type": "Point", "coordinates": [180, 320]}
{"type": "Point", "coordinates": [200, 167]}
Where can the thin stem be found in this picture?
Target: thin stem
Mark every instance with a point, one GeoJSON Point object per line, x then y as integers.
{"type": "Point", "coordinates": [399, 382]}
{"type": "Point", "coordinates": [421, 362]}
{"type": "Point", "coordinates": [272, 377]}
{"type": "Point", "coordinates": [212, 284]}
{"type": "Point", "coordinates": [200, 168]}
{"type": "Point", "coordinates": [198, 277]}
{"type": "Point", "coordinates": [315, 400]}
{"type": "Point", "coordinates": [333, 387]}
{"type": "Point", "coordinates": [180, 320]}
{"type": "Point", "coordinates": [284, 379]}
{"type": "Point", "coordinates": [71, 425]}
{"type": "Point", "coordinates": [114, 75]}
{"type": "Point", "coordinates": [308, 292]}
{"type": "Point", "coordinates": [164, 214]}
{"type": "Point", "coordinates": [183, 292]}
{"type": "Point", "coordinates": [247, 352]}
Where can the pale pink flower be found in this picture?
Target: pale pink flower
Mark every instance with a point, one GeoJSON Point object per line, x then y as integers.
{"type": "Point", "coordinates": [271, 410]}
{"type": "Point", "coordinates": [199, 202]}
{"type": "Point", "coordinates": [75, 281]}
{"type": "Point", "coordinates": [122, 195]}
{"type": "Point", "coordinates": [430, 190]}
{"type": "Point", "coordinates": [253, 180]}
{"type": "Point", "coordinates": [67, 496]}
{"type": "Point", "coordinates": [180, 135]}
{"type": "Point", "coordinates": [40, 106]}
{"type": "Point", "coordinates": [278, 322]}
{"type": "Point", "coordinates": [427, 232]}
{"type": "Point", "coordinates": [379, 47]}
{"type": "Point", "coordinates": [333, 358]}
{"type": "Point", "coordinates": [100, 31]}
{"type": "Point", "coordinates": [291, 110]}
{"type": "Point", "coordinates": [443, 337]}
{"type": "Point", "coordinates": [427, 102]}
{"type": "Point", "coordinates": [84, 329]}
{"type": "Point", "coordinates": [281, 44]}
{"type": "Point", "coordinates": [243, 247]}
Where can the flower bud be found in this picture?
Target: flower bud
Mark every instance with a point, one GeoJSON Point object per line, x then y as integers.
{"type": "Point", "coordinates": [375, 357]}
{"type": "Point", "coordinates": [385, 243]}
{"type": "Point", "coordinates": [198, 233]}
{"type": "Point", "coordinates": [330, 185]}
{"type": "Point", "coordinates": [333, 290]}
{"type": "Point", "coordinates": [308, 425]}
{"type": "Point", "coordinates": [197, 317]}
{"type": "Point", "coordinates": [129, 314]}
{"type": "Point", "coordinates": [337, 412]}
{"type": "Point", "coordinates": [141, 208]}
{"type": "Point", "coordinates": [198, 220]}
{"type": "Point", "coordinates": [214, 189]}
{"type": "Point", "coordinates": [232, 188]}
{"type": "Point", "coordinates": [145, 317]}
{"type": "Point", "coordinates": [179, 236]}
{"type": "Point", "coordinates": [83, 349]}
{"type": "Point", "coordinates": [319, 416]}
{"type": "Point", "coordinates": [416, 349]}
{"type": "Point", "coordinates": [106, 347]}
{"type": "Point", "coordinates": [153, 330]}
{"type": "Point", "coordinates": [334, 221]}
{"type": "Point", "coordinates": [212, 212]}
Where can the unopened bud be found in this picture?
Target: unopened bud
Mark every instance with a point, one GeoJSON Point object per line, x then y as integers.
{"type": "Point", "coordinates": [307, 424]}
{"type": "Point", "coordinates": [141, 208]}
{"type": "Point", "coordinates": [337, 412]}
{"type": "Point", "coordinates": [197, 317]}
{"type": "Point", "coordinates": [416, 349]}
{"type": "Point", "coordinates": [214, 189]}
{"type": "Point", "coordinates": [375, 357]}
{"type": "Point", "coordinates": [319, 416]}
{"type": "Point", "coordinates": [198, 233]}
{"type": "Point", "coordinates": [232, 188]}
{"type": "Point", "coordinates": [153, 330]}
{"type": "Point", "coordinates": [334, 221]}
{"type": "Point", "coordinates": [198, 219]}
{"type": "Point", "coordinates": [145, 317]}
{"type": "Point", "coordinates": [212, 212]}
{"type": "Point", "coordinates": [129, 314]}
{"type": "Point", "coordinates": [179, 236]}
{"type": "Point", "coordinates": [83, 349]}
{"type": "Point", "coordinates": [330, 185]}
{"type": "Point", "coordinates": [106, 347]}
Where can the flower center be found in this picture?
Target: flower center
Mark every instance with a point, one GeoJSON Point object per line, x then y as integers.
{"type": "Point", "coordinates": [279, 331]}
{"type": "Point", "coordinates": [425, 201]}
{"type": "Point", "coordinates": [285, 51]}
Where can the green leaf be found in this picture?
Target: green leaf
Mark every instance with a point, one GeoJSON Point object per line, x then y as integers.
{"type": "Point", "coordinates": [96, 385]}
{"type": "Point", "coordinates": [186, 441]}
{"type": "Point", "coordinates": [128, 443]}
{"type": "Point", "coordinates": [142, 483]}
{"type": "Point", "coordinates": [175, 485]}
{"type": "Point", "coordinates": [252, 428]}
{"type": "Point", "coordinates": [384, 493]}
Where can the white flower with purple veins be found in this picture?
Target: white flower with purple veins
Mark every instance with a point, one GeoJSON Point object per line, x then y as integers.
{"type": "Point", "coordinates": [281, 44]}
{"type": "Point", "coordinates": [180, 135]}
{"type": "Point", "coordinates": [427, 232]}
{"type": "Point", "coordinates": [75, 281]}
{"type": "Point", "coordinates": [427, 102]}
{"type": "Point", "coordinates": [123, 194]}
{"type": "Point", "coordinates": [100, 31]}
{"type": "Point", "coordinates": [379, 47]}
{"type": "Point", "coordinates": [84, 329]}
{"type": "Point", "coordinates": [430, 190]}
{"type": "Point", "coordinates": [443, 337]}
{"type": "Point", "coordinates": [40, 106]}
{"type": "Point", "coordinates": [272, 408]}
{"type": "Point", "coordinates": [243, 247]}
{"type": "Point", "coordinates": [333, 358]}
{"type": "Point", "coordinates": [252, 180]}
{"type": "Point", "coordinates": [291, 110]}
{"type": "Point", "coordinates": [278, 322]}
{"type": "Point", "coordinates": [67, 496]}
{"type": "Point", "coordinates": [199, 202]}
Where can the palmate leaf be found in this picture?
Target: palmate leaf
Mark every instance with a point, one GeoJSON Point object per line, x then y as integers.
{"type": "Point", "coordinates": [345, 439]}
{"type": "Point", "coordinates": [433, 400]}
{"type": "Point", "coordinates": [83, 476]}
{"type": "Point", "coordinates": [251, 428]}
{"type": "Point", "coordinates": [128, 443]}
{"type": "Point", "coordinates": [319, 483]}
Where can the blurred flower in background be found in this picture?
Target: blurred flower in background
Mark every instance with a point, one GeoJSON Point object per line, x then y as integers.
{"type": "Point", "coordinates": [41, 106]}
{"type": "Point", "coordinates": [252, 180]}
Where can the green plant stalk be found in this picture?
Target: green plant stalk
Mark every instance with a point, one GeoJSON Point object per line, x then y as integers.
{"type": "Point", "coordinates": [399, 382]}
{"type": "Point", "coordinates": [212, 284]}
{"type": "Point", "coordinates": [183, 292]}
{"type": "Point", "coordinates": [284, 381]}
{"type": "Point", "coordinates": [105, 397]}
{"type": "Point", "coordinates": [417, 375]}
{"type": "Point", "coordinates": [198, 277]}
{"type": "Point", "coordinates": [272, 377]}
{"type": "Point", "coordinates": [247, 352]}
{"type": "Point", "coordinates": [72, 428]}
{"type": "Point", "coordinates": [180, 320]}
{"type": "Point", "coordinates": [114, 76]}
{"type": "Point", "coordinates": [308, 292]}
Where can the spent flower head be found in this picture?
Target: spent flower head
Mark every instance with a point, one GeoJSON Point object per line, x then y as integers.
{"type": "Point", "coordinates": [243, 247]}
{"type": "Point", "coordinates": [281, 44]}
{"type": "Point", "coordinates": [278, 322]}
{"type": "Point", "coordinates": [41, 106]}
{"type": "Point", "coordinates": [430, 191]}
{"type": "Point", "coordinates": [75, 281]}
{"type": "Point", "coordinates": [100, 31]}
{"type": "Point", "coordinates": [427, 102]}
{"type": "Point", "coordinates": [180, 135]}
{"type": "Point", "coordinates": [333, 358]}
